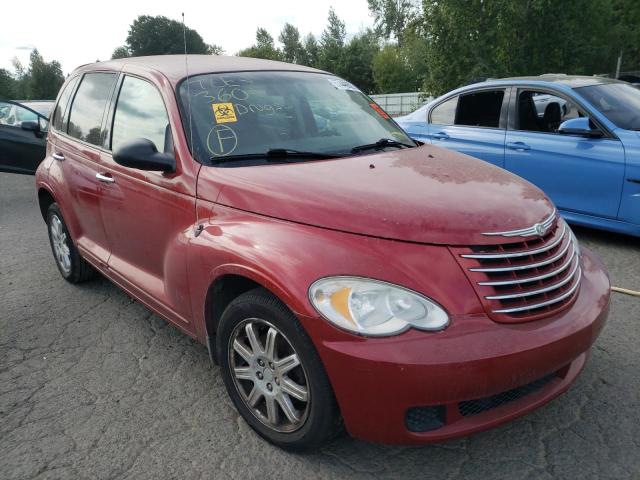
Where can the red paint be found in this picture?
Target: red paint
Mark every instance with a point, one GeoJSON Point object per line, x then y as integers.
{"type": "Point", "coordinates": [379, 111]}
{"type": "Point", "coordinates": [285, 226]}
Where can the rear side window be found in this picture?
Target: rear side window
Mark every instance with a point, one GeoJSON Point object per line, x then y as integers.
{"type": "Point", "coordinates": [85, 119]}
{"type": "Point", "coordinates": [480, 109]}
{"type": "Point", "coordinates": [445, 113]}
{"type": "Point", "coordinates": [140, 113]}
{"type": "Point", "coordinates": [57, 119]}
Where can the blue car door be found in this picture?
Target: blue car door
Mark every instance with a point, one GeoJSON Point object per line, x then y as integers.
{"type": "Point", "coordinates": [473, 123]}
{"type": "Point", "coordinates": [581, 174]}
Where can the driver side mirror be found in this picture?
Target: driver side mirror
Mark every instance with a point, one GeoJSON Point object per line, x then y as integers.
{"type": "Point", "coordinates": [579, 126]}
{"type": "Point", "coordinates": [142, 154]}
{"type": "Point", "coordinates": [32, 126]}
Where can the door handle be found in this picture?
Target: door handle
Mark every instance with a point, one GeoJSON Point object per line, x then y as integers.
{"type": "Point", "coordinates": [440, 136]}
{"type": "Point", "coordinates": [519, 146]}
{"type": "Point", "coordinates": [58, 156]}
{"type": "Point", "coordinates": [105, 178]}
{"type": "Point", "coordinates": [633, 180]}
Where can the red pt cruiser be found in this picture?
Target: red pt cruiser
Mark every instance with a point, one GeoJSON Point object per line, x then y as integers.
{"type": "Point", "coordinates": [337, 272]}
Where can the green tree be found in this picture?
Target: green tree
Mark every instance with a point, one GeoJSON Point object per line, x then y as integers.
{"type": "Point", "coordinates": [7, 84]}
{"type": "Point", "coordinates": [310, 52]}
{"type": "Point", "coordinates": [263, 48]}
{"type": "Point", "coordinates": [21, 79]}
{"type": "Point", "coordinates": [161, 36]}
{"type": "Point", "coordinates": [331, 53]}
{"type": "Point", "coordinates": [477, 38]}
{"type": "Point", "coordinates": [292, 49]}
{"type": "Point", "coordinates": [44, 78]}
{"type": "Point", "coordinates": [358, 59]}
{"type": "Point", "coordinates": [626, 32]}
{"type": "Point", "coordinates": [392, 71]}
{"type": "Point", "coordinates": [393, 16]}
{"type": "Point", "coordinates": [121, 52]}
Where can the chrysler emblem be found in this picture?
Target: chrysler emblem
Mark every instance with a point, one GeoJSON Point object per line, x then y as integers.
{"type": "Point", "coordinates": [540, 229]}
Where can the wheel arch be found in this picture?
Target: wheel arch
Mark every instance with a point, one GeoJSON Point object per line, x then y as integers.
{"type": "Point", "coordinates": [45, 200]}
{"type": "Point", "coordinates": [227, 285]}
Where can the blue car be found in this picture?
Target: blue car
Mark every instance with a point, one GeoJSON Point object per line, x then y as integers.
{"type": "Point", "coordinates": [577, 138]}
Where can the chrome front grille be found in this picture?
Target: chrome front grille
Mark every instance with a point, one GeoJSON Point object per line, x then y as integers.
{"type": "Point", "coordinates": [527, 279]}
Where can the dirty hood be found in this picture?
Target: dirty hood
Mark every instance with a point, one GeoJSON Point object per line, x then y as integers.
{"type": "Point", "coordinates": [425, 194]}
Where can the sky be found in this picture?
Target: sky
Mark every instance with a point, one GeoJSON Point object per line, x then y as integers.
{"type": "Point", "coordinates": [79, 32]}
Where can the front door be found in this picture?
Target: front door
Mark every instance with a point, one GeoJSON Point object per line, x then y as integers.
{"type": "Point", "coordinates": [580, 174]}
{"type": "Point", "coordinates": [21, 151]}
{"type": "Point", "coordinates": [148, 215]}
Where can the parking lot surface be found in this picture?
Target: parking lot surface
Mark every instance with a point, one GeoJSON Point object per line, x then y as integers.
{"type": "Point", "coordinates": [93, 385]}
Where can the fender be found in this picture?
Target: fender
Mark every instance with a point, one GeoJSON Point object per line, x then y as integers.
{"type": "Point", "coordinates": [286, 258]}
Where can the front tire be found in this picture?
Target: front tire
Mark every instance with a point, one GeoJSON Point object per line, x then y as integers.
{"type": "Point", "coordinates": [72, 266]}
{"type": "Point", "coordinates": [273, 373]}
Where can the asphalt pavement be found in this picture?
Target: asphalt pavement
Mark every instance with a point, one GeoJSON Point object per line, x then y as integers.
{"type": "Point", "coordinates": [93, 385]}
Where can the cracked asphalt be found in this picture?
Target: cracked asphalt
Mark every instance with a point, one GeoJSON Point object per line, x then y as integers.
{"type": "Point", "coordinates": [93, 385]}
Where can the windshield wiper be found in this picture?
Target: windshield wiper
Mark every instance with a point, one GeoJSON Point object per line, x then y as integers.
{"type": "Point", "coordinates": [380, 144]}
{"type": "Point", "coordinates": [274, 155]}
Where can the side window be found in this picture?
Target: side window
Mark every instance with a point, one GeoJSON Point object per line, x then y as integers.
{"type": "Point", "coordinates": [480, 109]}
{"type": "Point", "coordinates": [85, 119]}
{"type": "Point", "coordinates": [140, 113]}
{"type": "Point", "coordinates": [13, 115]}
{"type": "Point", "coordinates": [544, 112]}
{"type": "Point", "coordinates": [58, 114]}
{"type": "Point", "coordinates": [445, 113]}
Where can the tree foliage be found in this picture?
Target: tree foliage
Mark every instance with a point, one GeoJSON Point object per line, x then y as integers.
{"type": "Point", "coordinates": [40, 81]}
{"type": "Point", "coordinates": [162, 36]}
{"type": "Point", "coordinates": [263, 48]}
{"type": "Point", "coordinates": [477, 38]}
{"type": "Point", "coordinates": [44, 78]}
{"type": "Point", "coordinates": [7, 84]}
{"type": "Point", "coordinates": [292, 49]}
{"type": "Point", "coordinates": [392, 17]}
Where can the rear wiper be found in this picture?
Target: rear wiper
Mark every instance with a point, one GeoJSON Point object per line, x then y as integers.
{"type": "Point", "coordinates": [380, 144]}
{"type": "Point", "coordinates": [274, 155]}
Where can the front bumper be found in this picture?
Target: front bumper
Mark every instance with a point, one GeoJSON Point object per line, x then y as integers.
{"type": "Point", "coordinates": [377, 381]}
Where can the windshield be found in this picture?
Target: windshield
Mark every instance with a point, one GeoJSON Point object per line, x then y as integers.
{"type": "Point", "coordinates": [253, 112]}
{"type": "Point", "coordinates": [619, 102]}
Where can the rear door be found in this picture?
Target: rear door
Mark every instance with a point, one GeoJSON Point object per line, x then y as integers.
{"type": "Point", "coordinates": [149, 216]}
{"type": "Point", "coordinates": [473, 123]}
{"type": "Point", "coordinates": [21, 151]}
{"type": "Point", "coordinates": [580, 174]}
{"type": "Point", "coordinates": [76, 151]}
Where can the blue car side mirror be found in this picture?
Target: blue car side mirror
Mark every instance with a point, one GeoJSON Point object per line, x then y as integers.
{"type": "Point", "coordinates": [579, 126]}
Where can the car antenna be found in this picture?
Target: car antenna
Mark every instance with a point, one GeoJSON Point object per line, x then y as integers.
{"type": "Point", "coordinates": [186, 67]}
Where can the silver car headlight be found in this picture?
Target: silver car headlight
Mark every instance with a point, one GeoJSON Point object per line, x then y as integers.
{"type": "Point", "coordinates": [375, 308]}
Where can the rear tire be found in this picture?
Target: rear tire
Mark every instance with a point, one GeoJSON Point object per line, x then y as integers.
{"type": "Point", "coordinates": [273, 373]}
{"type": "Point", "coordinates": [72, 266]}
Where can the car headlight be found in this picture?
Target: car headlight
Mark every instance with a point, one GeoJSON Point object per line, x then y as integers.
{"type": "Point", "coordinates": [373, 307]}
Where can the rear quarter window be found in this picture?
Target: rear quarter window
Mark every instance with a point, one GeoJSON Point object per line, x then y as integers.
{"type": "Point", "coordinates": [445, 113]}
{"type": "Point", "coordinates": [57, 119]}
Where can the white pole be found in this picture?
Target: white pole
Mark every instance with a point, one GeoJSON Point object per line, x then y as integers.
{"type": "Point", "coordinates": [619, 65]}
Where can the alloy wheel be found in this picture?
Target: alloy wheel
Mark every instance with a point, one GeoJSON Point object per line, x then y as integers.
{"type": "Point", "coordinates": [269, 375]}
{"type": "Point", "coordinates": [60, 245]}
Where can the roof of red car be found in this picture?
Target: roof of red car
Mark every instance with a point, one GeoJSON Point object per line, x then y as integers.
{"type": "Point", "coordinates": [173, 66]}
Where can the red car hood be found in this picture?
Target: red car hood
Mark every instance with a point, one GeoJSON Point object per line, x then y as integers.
{"type": "Point", "coordinates": [426, 194]}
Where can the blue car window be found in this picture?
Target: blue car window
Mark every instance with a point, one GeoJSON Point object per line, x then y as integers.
{"type": "Point", "coordinates": [619, 102]}
{"type": "Point", "coordinates": [445, 113]}
{"type": "Point", "coordinates": [539, 111]}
